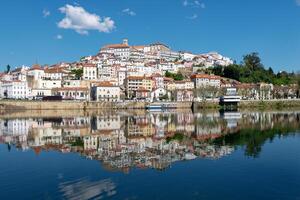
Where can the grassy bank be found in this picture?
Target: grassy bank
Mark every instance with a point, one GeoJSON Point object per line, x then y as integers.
{"type": "Point", "coordinates": [257, 104]}
{"type": "Point", "coordinates": [270, 104]}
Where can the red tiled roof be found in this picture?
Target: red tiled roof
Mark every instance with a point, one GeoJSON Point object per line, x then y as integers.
{"type": "Point", "coordinates": [116, 46]}
{"type": "Point", "coordinates": [36, 67]}
{"type": "Point", "coordinates": [105, 84]}
{"type": "Point", "coordinates": [205, 76]}
{"type": "Point", "coordinates": [89, 65]}
{"type": "Point", "coordinates": [136, 78]}
{"type": "Point", "coordinates": [54, 70]}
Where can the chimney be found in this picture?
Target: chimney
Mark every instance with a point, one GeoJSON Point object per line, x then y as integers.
{"type": "Point", "coordinates": [125, 41]}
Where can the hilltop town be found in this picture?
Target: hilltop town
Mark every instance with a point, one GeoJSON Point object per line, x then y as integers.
{"type": "Point", "coordinates": [120, 72]}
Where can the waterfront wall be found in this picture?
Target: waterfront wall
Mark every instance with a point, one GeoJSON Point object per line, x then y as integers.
{"type": "Point", "coordinates": [55, 105]}
{"type": "Point", "coordinates": [88, 106]}
{"type": "Point", "coordinates": [76, 105]}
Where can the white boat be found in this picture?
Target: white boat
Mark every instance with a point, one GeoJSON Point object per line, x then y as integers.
{"type": "Point", "coordinates": [154, 106]}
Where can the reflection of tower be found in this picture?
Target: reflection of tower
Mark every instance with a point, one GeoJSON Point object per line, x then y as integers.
{"type": "Point", "coordinates": [159, 122]}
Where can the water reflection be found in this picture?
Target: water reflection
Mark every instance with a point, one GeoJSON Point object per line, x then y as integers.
{"type": "Point", "coordinates": [153, 140]}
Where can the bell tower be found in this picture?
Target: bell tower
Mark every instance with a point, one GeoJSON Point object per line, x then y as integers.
{"type": "Point", "coordinates": [125, 41]}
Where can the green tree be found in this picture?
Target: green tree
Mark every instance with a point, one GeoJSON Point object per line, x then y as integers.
{"type": "Point", "coordinates": [77, 72]}
{"type": "Point", "coordinates": [178, 77]}
{"type": "Point", "coordinates": [232, 71]}
{"type": "Point", "coordinates": [168, 74]}
{"type": "Point", "coordinates": [252, 61]}
{"type": "Point", "coordinates": [218, 70]}
{"type": "Point", "coordinates": [8, 68]}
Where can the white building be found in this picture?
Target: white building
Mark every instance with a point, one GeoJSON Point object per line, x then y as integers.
{"type": "Point", "coordinates": [36, 71]}
{"type": "Point", "coordinates": [158, 47]}
{"type": "Point", "coordinates": [90, 71]}
{"type": "Point", "coordinates": [54, 73]}
{"type": "Point", "coordinates": [72, 93]}
{"type": "Point", "coordinates": [158, 81]}
{"type": "Point", "coordinates": [212, 59]}
{"type": "Point", "coordinates": [15, 90]}
{"type": "Point", "coordinates": [140, 70]}
{"type": "Point", "coordinates": [169, 55]}
{"type": "Point", "coordinates": [119, 50]}
{"type": "Point", "coordinates": [19, 73]}
{"type": "Point", "coordinates": [158, 93]}
{"type": "Point", "coordinates": [40, 92]}
{"type": "Point", "coordinates": [204, 80]}
{"type": "Point", "coordinates": [43, 87]}
{"type": "Point", "coordinates": [121, 76]}
{"type": "Point", "coordinates": [72, 83]}
{"type": "Point", "coordinates": [106, 91]}
{"type": "Point", "coordinates": [136, 53]}
{"type": "Point", "coordinates": [49, 84]}
{"type": "Point", "coordinates": [187, 56]}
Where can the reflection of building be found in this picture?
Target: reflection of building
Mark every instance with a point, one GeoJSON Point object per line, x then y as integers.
{"type": "Point", "coordinates": [152, 140]}
{"type": "Point", "coordinates": [232, 118]}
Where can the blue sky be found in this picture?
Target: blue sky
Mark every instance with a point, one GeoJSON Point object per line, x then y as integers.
{"type": "Point", "coordinates": [59, 30]}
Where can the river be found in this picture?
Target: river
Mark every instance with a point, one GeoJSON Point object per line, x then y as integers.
{"type": "Point", "coordinates": [151, 155]}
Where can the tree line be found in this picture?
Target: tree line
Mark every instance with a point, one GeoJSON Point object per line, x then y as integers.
{"type": "Point", "coordinates": [251, 70]}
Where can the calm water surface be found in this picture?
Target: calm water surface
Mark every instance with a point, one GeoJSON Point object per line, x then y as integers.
{"type": "Point", "coordinates": [182, 155]}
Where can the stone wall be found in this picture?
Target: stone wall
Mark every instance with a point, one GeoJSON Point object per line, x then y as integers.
{"type": "Point", "coordinates": [75, 105]}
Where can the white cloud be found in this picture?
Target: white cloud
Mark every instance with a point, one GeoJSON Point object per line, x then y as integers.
{"type": "Point", "coordinates": [199, 4]}
{"type": "Point", "coordinates": [59, 37]}
{"type": "Point", "coordinates": [298, 2]}
{"type": "Point", "coordinates": [46, 13]}
{"type": "Point", "coordinates": [129, 12]}
{"type": "Point", "coordinates": [78, 19]}
{"type": "Point", "coordinates": [195, 4]}
{"type": "Point", "coordinates": [194, 16]}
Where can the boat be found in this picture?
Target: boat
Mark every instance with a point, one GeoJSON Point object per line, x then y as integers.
{"type": "Point", "coordinates": [154, 106]}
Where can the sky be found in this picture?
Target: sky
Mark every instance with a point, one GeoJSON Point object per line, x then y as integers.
{"type": "Point", "coordinates": [48, 32]}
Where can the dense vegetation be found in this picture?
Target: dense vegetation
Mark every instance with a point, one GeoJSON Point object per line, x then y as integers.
{"type": "Point", "coordinates": [77, 72]}
{"type": "Point", "coordinates": [176, 77]}
{"type": "Point", "coordinates": [251, 70]}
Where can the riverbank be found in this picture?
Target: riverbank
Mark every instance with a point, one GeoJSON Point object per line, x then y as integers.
{"type": "Point", "coordinates": [257, 104]}
{"type": "Point", "coordinates": [277, 103]}
{"type": "Point", "coordinates": [19, 105]}
{"type": "Point", "coordinates": [12, 105]}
